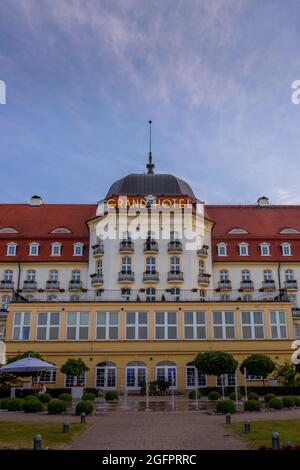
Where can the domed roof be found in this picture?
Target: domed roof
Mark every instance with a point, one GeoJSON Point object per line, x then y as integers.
{"type": "Point", "coordinates": [158, 184]}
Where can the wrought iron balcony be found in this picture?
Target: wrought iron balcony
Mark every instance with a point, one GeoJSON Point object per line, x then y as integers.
{"type": "Point", "coordinates": [126, 246]}
{"type": "Point", "coordinates": [224, 285]}
{"type": "Point", "coordinates": [75, 285]}
{"type": "Point", "coordinates": [204, 279]}
{"type": "Point", "coordinates": [150, 276]}
{"type": "Point", "coordinates": [268, 285]}
{"type": "Point", "coordinates": [6, 285]}
{"type": "Point", "coordinates": [246, 285]}
{"type": "Point", "coordinates": [30, 285]}
{"type": "Point", "coordinates": [291, 285]}
{"type": "Point", "coordinates": [126, 276]}
{"type": "Point", "coordinates": [175, 276]}
{"type": "Point", "coordinates": [96, 280]}
{"type": "Point", "coordinates": [151, 246]}
{"type": "Point", "coordinates": [52, 285]}
{"type": "Point", "coordinates": [175, 246]}
{"type": "Point", "coordinates": [98, 250]}
{"type": "Point", "coordinates": [203, 252]}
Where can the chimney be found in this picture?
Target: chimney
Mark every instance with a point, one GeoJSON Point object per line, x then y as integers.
{"type": "Point", "coordinates": [263, 201]}
{"type": "Point", "coordinates": [36, 201]}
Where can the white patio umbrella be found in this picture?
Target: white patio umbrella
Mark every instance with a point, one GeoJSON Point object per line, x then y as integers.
{"type": "Point", "coordinates": [27, 365]}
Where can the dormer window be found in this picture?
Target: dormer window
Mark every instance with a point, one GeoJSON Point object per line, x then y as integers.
{"type": "Point", "coordinates": [34, 249]}
{"type": "Point", "coordinates": [222, 249]}
{"type": "Point", "coordinates": [286, 249]}
{"type": "Point", "coordinates": [56, 249]}
{"type": "Point", "coordinates": [11, 249]}
{"type": "Point", "coordinates": [78, 249]}
{"type": "Point", "coordinates": [243, 249]}
{"type": "Point", "coordinates": [265, 249]}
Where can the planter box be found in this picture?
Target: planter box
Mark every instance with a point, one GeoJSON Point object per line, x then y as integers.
{"type": "Point", "coordinates": [77, 393]}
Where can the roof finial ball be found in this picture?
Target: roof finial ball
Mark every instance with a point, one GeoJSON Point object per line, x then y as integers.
{"type": "Point", "coordinates": [150, 166]}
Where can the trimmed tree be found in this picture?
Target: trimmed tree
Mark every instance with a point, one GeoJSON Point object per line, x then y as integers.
{"type": "Point", "coordinates": [216, 363]}
{"type": "Point", "coordinates": [74, 368]}
{"type": "Point", "coordinates": [286, 374]}
{"type": "Point", "coordinates": [258, 364]}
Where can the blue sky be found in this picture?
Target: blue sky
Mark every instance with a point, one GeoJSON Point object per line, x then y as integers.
{"type": "Point", "coordinates": [83, 78]}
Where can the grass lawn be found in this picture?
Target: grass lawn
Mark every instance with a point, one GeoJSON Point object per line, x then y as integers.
{"type": "Point", "coordinates": [261, 432]}
{"type": "Point", "coordinates": [20, 435]}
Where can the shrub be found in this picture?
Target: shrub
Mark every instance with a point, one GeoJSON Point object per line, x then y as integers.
{"type": "Point", "coordinates": [214, 396]}
{"type": "Point", "coordinates": [269, 397]}
{"type": "Point", "coordinates": [111, 395]}
{"type": "Point", "coordinates": [225, 406]}
{"type": "Point", "coordinates": [33, 406]}
{"type": "Point", "coordinates": [275, 403]}
{"type": "Point", "coordinates": [297, 401]}
{"type": "Point", "coordinates": [31, 397]}
{"type": "Point", "coordinates": [45, 397]}
{"type": "Point", "coordinates": [15, 404]}
{"type": "Point", "coordinates": [3, 403]}
{"type": "Point", "coordinates": [56, 407]}
{"type": "Point", "coordinates": [253, 396]}
{"type": "Point", "coordinates": [84, 407]}
{"type": "Point", "coordinates": [233, 397]}
{"type": "Point", "coordinates": [252, 405]}
{"type": "Point", "coordinates": [288, 402]}
{"type": "Point", "coordinates": [88, 396]}
{"type": "Point", "coordinates": [65, 397]}
{"type": "Point", "coordinates": [192, 394]}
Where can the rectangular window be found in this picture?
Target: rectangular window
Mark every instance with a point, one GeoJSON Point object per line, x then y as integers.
{"type": "Point", "coordinates": [222, 250]}
{"type": "Point", "coordinates": [228, 380]}
{"type": "Point", "coordinates": [194, 325]}
{"type": "Point", "coordinates": [56, 250]}
{"type": "Point", "coordinates": [165, 325]}
{"type": "Point", "coordinates": [286, 250]}
{"type": "Point", "coordinates": [150, 264]}
{"type": "Point", "coordinates": [47, 377]}
{"type": "Point", "coordinates": [21, 329]}
{"type": "Point", "coordinates": [78, 326]}
{"type": "Point", "coordinates": [107, 328]}
{"type": "Point", "coordinates": [70, 380]}
{"type": "Point", "coordinates": [243, 250]}
{"type": "Point", "coordinates": [191, 378]}
{"type": "Point", "coordinates": [47, 326]}
{"type": "Point", "coordinates": [78, 249]}
{"type": "Point", "coordinates": [106, 377]}
{"type": "Point", "coordinates": [33, 250]}
{"type": "Point", "coordinates": [254, 377]}
{"type": "Point", "coordinates": [265, 250]}
{"type": "Point", "coordinates": [150, 294]}
{"type": "Point", "coordinates": [296, 330]}
{"type": "Point", "coordinates": [278, 325]}
{"type": "Point", "coordinates": [223, 325]}
{"type": "Point", "coordinates": [252, 325]}
{"type": "Point", "coordinates": [136, 325]}
{"type": "Point", "coordinates": [11, 250]}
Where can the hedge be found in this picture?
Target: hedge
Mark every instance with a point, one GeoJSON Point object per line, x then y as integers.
{"type": "Point", "coordinates": [260, 390]}
{"type": "Point", "coordinates": [225, 406]}
{"type": "Point", "coordinates": [56, 407]}
{"type": "Point", "coordinates": [84, 407]}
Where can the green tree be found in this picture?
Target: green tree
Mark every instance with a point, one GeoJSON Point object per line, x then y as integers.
{"type": "Point", "coordinates": [258, 364]}
{"type": "Point", "coordinates": [74, 368]}
{"type": "Point", "coordinates": [216, 363]}
{"type": "Point", "coordinates": [286, 374]}
{"type": "Point", "coordinates": [7, 380]}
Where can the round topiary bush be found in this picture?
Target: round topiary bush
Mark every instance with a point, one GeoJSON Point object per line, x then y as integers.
{"type": "Point", "coordinates": [3, 403]}
{"type": "Point", "coordinates": [84, 407]}
{"type": "Point", "coordinates": [269, 397]}
{"type": "Point", "coordinates": [88, 396]}
{"type": "Point", "coordinates": [232, 396]}
{"type": "Point", "coordinates": [253, 396]}
{"type": "Point", "coordinates": [31, 397]}
{"type": "Point", "coordinates": [297, 401]}
{"type": "Point", "coordinates": [55, 407]}
{"type": "Point", "coordinates": [65, 397]}
{"type": "Point", "coordinates": [34, 405]}
{"type": "Point", "coordinates": [15, 404]}
{"type": "Point", "coordinates": [111, 395]}
{"type": "Point", "coordinates": [192, 394]}
{"type": "Point", "coordinates": [288, 402]}
{"type": "Point", "coordinates": [45, 397]}
{"type": "Point", "coordinates": [275, 404]}
{"type": "Point", "coordinates": [214, 396]}
{"type": "Point", "coordinates": [252, 405]}
{"type": "Point", "coordinates": [225, 406]}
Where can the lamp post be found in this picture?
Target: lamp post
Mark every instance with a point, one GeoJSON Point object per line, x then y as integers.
{"type": "Point", "coordinates": [196, 383]}
{"type": "Point", "coordinates": [245, 379]}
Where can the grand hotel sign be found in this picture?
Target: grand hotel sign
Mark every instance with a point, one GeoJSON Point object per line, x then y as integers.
{"type": "Point", "coordinates": [151, 202]}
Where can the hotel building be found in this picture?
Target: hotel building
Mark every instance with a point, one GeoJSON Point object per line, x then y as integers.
{"type": "Point", "coordinates": [141, 282]}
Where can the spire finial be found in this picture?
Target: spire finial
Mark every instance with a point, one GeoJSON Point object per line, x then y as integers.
{"type": "Point", "coordinates": [150, 166]}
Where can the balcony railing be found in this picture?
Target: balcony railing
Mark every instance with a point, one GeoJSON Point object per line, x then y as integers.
{"type": "Point", "coordinates": [292, 285]}
{"type": "Point", "coordinates": [152, 276]}
{"type": "Point", "coordinates": [52, 285]}
{"type": "Point", "coordinates": [30, 285]}
{"type": "Point", "coordinates": [203, 252]}
{"type": "Point", "coordinates": [126, 276]}
{"type": "Point", "coordinates": [175, 246]}
{"type": "Point", "coordinates": [175, 276]}
{"type": "Point", "coordinates": [151, 246]}
{"type": "Point", "coordinates": [247, 285]}
{"type": "Point", "coordinates": [203, 279]}
{"type": "Point", "coordinates": [162, 295]}
{"type": "Point", "coordinates": [126, 246]}
{"type": "Point", "coordinates": [268, 285]}
{"type": "Point", "coordinates": [75, 285]}
{"type": "Point", "coordinates": [98, 249]}
{"type": "Point", "coordinates": [97, 279]}
{"type": "Point", "coordinates": [224, 285]}
{"type": "Point", "coordinates": [6, 285]}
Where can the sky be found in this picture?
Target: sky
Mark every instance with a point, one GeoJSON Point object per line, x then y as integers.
{"type": "Point", "coordinates": [83, 77]}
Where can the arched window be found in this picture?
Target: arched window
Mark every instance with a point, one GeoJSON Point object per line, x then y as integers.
{"type": "Point", "coordinates": [243, 249]}
{"type": "Point", "coordinates": [61, 230]}
{"type": "Point", "coordinates": [11, 249]}
{"type": "Point", "coordinates": [222, 249]}
{"type": "Point", "coordinates": [136, 375]}
{"type": "Point", "coordinates": [34, 249]}
{"type": "Point", "coordinates": [191, 374]}
{"type": "Point", "coordinates": [56, 249]}
{"type": "Point", "coordinates": [78, 249]}
{"type": "Point", "coordinates": [167, 371]}
{"type": "Point", "coordinates": [265, 249]}
{"type": "Point", "coordinates": [106, 375]}
{"type": "Point", "coordinates": [286, 249]}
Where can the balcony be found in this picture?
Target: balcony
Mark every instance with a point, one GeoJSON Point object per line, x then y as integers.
{"type": "Point", "coordinates": [246, 285]}
{"type": "Point", "coordinates": [203, 279]}
{"type": "Point", "coordinates": [126, 276]}
{"type": "Point", "coordinates": [151, 246]}
{"type": "Point", "coordinates": [98, 250]}
{"type": "Point", "coordinates": [268, 285]}
{"type": "Point", "coordinates": [126, 246]}
{"type": "Point", "coordinates": [175, 246]}
{"type": "Point", "coordinates": [75, 285]}
{"type": "Point", "coordinates": [175, 276]}
{"type": "Point", "coordinates": [52, 285]}
{"type": "Point", "coordinates": [150, 276]}
{"type": "Point", "coordinates": [224, 285]}
{"type": "Point", "coordinates": [203, 252]}
{"type": "Point", "coordinates": [6, 285]}
{"type": "Point", "coordinates": [291, 285]}
{"type": "Point", "coordinates": [30, 285]}
{"type": "Point", "coordinates": [96, 280]}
